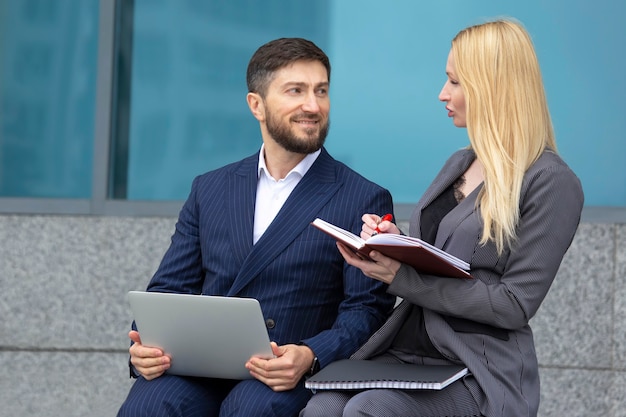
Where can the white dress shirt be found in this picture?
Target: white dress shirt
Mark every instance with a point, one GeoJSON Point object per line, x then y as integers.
{"type": "Point", "coordinates": [271, 193]}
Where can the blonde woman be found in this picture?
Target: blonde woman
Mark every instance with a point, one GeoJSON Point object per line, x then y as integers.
{"type": "Point", "coordinates": [508, 205]}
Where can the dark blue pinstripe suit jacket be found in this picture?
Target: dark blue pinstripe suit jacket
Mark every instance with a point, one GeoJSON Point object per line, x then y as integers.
{"type": "Point", "coordinates": [306, 291]}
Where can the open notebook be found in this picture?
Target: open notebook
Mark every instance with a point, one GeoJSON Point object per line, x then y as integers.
{"type": "Point", "coordinates": [422, 256]}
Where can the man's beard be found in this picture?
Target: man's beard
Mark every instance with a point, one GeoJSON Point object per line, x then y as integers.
{"type": "Point", "coordinates": [284, 136]}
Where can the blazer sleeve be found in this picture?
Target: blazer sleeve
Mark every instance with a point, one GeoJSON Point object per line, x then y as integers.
{"type": "Point", "coordinates": [180, 269]}
{"type": "Point", "coordinates": [508, 289]}
{"type": "Point", "coordinates": [366, 303]}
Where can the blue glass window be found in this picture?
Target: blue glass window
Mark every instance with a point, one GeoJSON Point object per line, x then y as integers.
{"type": "Point", "coordinates": [48, 53]}
{"type": "Point", "coordinates": [186, 108]}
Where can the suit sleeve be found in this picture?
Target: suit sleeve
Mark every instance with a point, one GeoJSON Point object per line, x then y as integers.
{"type": "Point", "coordinates": [366, 304]}
{"type": "Point", "coordinates": [508, 298]}
{"type": "Point", "coordinates": [180, 270]}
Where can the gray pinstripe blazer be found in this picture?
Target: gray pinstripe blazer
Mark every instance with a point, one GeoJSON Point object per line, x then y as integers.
{"type": "Point", "coordinates": [507, 289]}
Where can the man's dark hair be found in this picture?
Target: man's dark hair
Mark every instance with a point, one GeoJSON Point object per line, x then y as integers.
{"type": "Point", "coordinates": [277, 54]}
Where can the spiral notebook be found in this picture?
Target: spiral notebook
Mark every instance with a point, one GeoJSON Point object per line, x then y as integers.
{"type": "Point", "coordinates": [351, 374]}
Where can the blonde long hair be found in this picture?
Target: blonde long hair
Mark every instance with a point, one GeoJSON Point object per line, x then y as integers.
{"type": "Point", "coordinates": [507, 117]}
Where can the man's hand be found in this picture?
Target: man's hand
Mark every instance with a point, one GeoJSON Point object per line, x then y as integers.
{"type": "Point", "coordinates": [283, 372]}
{"type": "Point", "coordinates": [149, 362]}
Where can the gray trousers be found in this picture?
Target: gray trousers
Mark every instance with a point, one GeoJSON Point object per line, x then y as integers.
{"type": "Point", "coordinates": [454, 400]}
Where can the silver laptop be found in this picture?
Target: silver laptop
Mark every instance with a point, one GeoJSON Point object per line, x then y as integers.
{"type": "Point", "coordinates": [205, 336]}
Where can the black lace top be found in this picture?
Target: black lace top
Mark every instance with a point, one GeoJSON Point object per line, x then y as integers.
{"type": "Point", "coordinates": [412, 337]}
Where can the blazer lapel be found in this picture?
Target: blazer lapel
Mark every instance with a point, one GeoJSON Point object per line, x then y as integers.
{"type": "Point", "coordinates": [452, 221]}
{"type": "Point", "coordinates": [240, 205]}
{"type": "Point", "coordinates": [451, 172]}
{"type": "Point", "coordinates": [310, 195]}
{"type": "Point", "coordinates": [383, 337]}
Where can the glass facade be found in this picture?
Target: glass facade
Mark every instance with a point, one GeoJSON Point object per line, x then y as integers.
{"type": "Point", "coordinates": [186, 86]}
{"type": "Point", "coordinates": [48, 52]}
{"type": "Point", "coordinates": [175, 106]}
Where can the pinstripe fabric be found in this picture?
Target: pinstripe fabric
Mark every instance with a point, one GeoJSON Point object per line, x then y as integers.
{"type": "Point", "coordinates": [295, 271]}
{"type": "Point", "coordinates": [506, 292]}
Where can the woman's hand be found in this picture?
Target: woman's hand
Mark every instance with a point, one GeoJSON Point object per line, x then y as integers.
{"type": "Point", "coordinates": [380, 267]}
{"type": "Point", "coordinates": [371, 222]}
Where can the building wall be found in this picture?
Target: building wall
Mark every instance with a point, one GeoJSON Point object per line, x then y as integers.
{"type": "Point", "coordinates": [65, 317]}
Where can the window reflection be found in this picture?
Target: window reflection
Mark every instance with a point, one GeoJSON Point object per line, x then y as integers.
{"type": "Point", "coordinates": [47, 87]}
{"type": "Point", "coordinates": [186, 87]}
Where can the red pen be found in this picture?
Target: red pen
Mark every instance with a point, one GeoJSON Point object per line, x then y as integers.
{"type": "Point", "coordinates": [387, 217]}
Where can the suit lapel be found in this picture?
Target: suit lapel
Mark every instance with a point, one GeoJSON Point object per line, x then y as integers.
{"type": "Point", "coordinates": [312, 192]}
{"type": "Point", "coordinates": [240, 206]}
{"type": "Point", "coordinates": [381, 340]}
{"type": "Point", "coordinates": [454, 169]}
{"type": "Point", "coordinates": [453, 219]}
